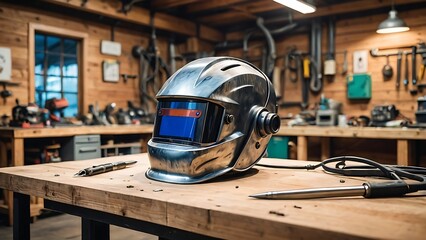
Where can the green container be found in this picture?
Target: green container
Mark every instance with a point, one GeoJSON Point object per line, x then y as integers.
{"type": "Point", "coordinates": [278, 147]}
{"type": "Point", "coordinates": [359, 86]}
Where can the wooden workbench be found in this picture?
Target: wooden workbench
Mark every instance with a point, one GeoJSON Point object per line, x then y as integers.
{"type": "Point", "coordinates": [16, 137]}
{"type": "Point", "coordinates": [220, 209]}
{"type": "Point", "coordinates": [404, 137]}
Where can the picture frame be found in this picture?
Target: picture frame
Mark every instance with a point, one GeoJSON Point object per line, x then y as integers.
{"type": "Point", "coordinates": [111, 70]}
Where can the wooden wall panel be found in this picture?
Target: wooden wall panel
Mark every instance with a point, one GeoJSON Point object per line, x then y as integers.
{"type": "Point", "coordinates": [359, 34]}
{"type": "Point", "coordinates": [355, 34]}
{"type": "Point", "coordinates": [14, 30]}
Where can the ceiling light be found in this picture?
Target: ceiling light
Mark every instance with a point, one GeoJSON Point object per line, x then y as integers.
{"type": "Point", "coordinates": [297, 5]}
{"type": "Point", "coordinates": [392, 24]}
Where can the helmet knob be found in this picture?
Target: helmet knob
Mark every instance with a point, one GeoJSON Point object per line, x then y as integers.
{"type": "Point", "coordinates": [268, 123]}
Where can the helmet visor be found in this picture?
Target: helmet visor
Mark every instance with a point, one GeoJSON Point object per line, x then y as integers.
{"type": "Point", "coordinates": [188, 121]}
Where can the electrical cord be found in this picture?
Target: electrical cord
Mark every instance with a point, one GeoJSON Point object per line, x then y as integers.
{"type": "Point", "coordinates": [369, 168]}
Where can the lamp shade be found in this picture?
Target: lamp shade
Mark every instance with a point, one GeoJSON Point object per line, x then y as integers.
{"type": "Point", "coordinates": [392, 24]}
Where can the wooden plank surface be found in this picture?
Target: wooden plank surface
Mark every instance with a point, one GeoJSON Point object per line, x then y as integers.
{"type": "Point", "coordinates": [222, 208]}
{"type": "Point", "coordinates": [141, 16]}
{"type": "Point", "coordinates": [354, 132]}
{"type": "Point", "coordinates": [73, 131]}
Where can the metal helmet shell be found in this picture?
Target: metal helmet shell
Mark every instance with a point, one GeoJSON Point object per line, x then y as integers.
{"type": "Point", "coordinates": [232, 118]}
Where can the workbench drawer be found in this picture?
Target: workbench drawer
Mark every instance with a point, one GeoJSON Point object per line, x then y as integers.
{"type": "Point", "coordinates": [82, 147]}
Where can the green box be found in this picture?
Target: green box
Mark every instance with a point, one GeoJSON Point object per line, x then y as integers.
{"type": "Point", "coordinates": [359, 86]}
{"type": "Point", "coordinates": [278, 147]}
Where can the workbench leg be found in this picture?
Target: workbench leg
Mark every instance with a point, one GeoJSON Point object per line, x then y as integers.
{"type": "Point", "coordinates": [325, 148]}
{"type": "Point", "coordinates": [21, 216]}
{"type": "Point", "coordinates": [94, 230]}
{"type": "Point", "coordinates": [3, 153]}
{"type": "Point", "coordinates": [18, 152]}
{"type": "Point", "coordinates": [406, 153]}
{"type": "Point", "coordinates": [302, 148]}
{"type": "Point", "coordinates": [17, 160]}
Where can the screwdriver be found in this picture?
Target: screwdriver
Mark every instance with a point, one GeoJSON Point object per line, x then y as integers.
{"type": "Point", "coordinates": [395, 188]}
{"type": "Point", "coordinates": [107, 167]}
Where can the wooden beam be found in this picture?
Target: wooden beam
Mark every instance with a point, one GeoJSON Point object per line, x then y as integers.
{"type": "Point", "coordinates": [141, 16]}
{"type": "Point", "coordinates": [162, 4]}
{"type": "Point", "coordinates": [227, 18]}
{"type": "Point", "coordinates": [212, 5]}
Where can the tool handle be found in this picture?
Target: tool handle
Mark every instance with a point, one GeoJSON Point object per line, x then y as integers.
{"type": "Point", "coordinates": [398, 69]}
{"type": "Point", "coordinates": [413, 67]}
{"type": "Point", "coordinates": [386, 189]}
{"type": "Point", "coordinates": [406, 70]}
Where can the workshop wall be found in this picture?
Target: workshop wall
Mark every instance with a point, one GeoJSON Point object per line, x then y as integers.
{"type": "Point", "coordinates": [14, 29]}
{"type": "Point", "coordinates": [359, 34]}
{"type": "Point", "coordinates": [355, 34]}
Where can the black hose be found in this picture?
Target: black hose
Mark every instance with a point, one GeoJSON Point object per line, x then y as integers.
{"type": "Point", "coordinates": [272, 54]}
{"type": "Point", "coordinates": [315, 82]}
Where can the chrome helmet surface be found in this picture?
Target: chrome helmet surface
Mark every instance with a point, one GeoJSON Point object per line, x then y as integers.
{"type": "Point", "coordinates": [214, 115]}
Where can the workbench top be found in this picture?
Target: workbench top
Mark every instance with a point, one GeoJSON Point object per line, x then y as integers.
{"type": "Point", "coordinates": [65, 131]}
{"type": "Point", "coordinates": [222, 208]}
{"type": "Point", "coordinates": [354, 132]}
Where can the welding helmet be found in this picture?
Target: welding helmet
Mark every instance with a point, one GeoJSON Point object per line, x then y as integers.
{"type": "Point", "coordinates": [214, 115]}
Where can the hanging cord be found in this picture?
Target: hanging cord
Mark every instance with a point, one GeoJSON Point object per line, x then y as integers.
{"type": "Point", "coordinates": [369, 168]}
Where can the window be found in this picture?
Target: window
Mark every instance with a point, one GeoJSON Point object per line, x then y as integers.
{"type": "Point", "coordinates": [56, 71]}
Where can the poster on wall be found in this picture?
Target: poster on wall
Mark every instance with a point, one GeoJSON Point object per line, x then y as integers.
{"type": "Point", "coordinates": [5, 64]}
{"type": "Point", "coordinates": [360, 61]}
{"type": "Point", "coordinates": [111, 70]}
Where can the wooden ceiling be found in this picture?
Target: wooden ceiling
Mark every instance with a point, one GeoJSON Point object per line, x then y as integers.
{"type": "Point", "coordinates": [234, 15]}
{"type": "Point", "coordinates": [211, 20]}
{"type": "Point", "coordinates": [229, 15]}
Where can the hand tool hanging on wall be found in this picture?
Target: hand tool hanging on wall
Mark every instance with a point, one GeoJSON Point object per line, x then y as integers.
{"type": "Point", "coordinates": [316, 76]}
{"type": "Point", "coordinates": [413, 67]}
{"type": "Point", "coordinates": [398, 69]}
{"type": "Point", "coordinates": [151, 67]}
{"type": "Point", "coordinates": [387, 70]}
{"type": "Point", "coordinates": [406, 71]}
{"type": "Point", "coordinates": [330, 61]}
{"type": "Point", "coordinates": [413, 70]}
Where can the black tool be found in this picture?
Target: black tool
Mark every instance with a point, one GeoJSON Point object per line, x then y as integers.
{"type": "Point", "coordinates": [406, 70]}
{"type": "Point", "coordinates": [413, 71]}
{"type": "Point", "coordinates": [413, 67]}
{"type": "Point", "coordinates": [107, 167]}
{"type": "Point", "coordinates": [387, 70]}
{"type": "Point", "coordinates": [398, 69]}
{"type": "Point", "coordinates": [396, 188]}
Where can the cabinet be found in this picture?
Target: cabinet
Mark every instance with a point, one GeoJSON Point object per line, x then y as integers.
{"type": "Point", "coordinates": [81, 147]}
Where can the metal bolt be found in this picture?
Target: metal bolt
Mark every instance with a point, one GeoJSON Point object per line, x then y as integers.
{"type": "Point", "coordinates": [229, 118]}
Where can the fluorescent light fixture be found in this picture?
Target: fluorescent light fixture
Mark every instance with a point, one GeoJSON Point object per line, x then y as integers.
{"type": "Point", "coordinates": [297, 5]}
{"type": "Point", "coordinates": [392, 24]}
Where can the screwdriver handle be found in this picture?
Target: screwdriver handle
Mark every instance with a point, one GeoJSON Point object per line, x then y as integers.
{"type": "Point", "coordinates": [386, 189]}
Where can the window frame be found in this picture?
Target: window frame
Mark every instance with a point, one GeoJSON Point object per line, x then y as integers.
{"type": "Point", "coordinates": [82, 58]}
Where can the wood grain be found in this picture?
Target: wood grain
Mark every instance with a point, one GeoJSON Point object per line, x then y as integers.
{"type": "Point", "coordinates": [354, 132]}
{"type": "Point", "coordinates": [222, 208]}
